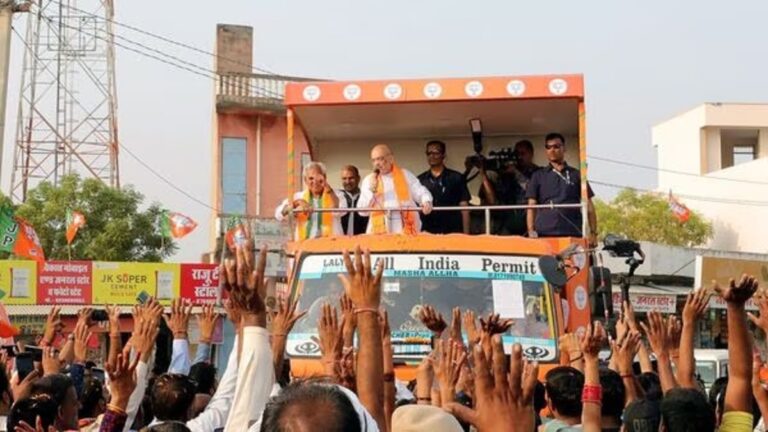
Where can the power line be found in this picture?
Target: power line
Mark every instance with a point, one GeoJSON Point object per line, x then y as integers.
{"type": "Point", "coordinates": [166, 180]}
{"type": "Point", "coordinates": [690, 174]}
{"type": "Point", "coordinates": [691, 197]}
{"type": "Point", "coordinates": [168, 40]}
{"type": "Point", "coordinates": [202, 71]}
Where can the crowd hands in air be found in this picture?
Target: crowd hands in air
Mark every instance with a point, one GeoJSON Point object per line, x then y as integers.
{"type": "Point", "coordinates": [467, 382]}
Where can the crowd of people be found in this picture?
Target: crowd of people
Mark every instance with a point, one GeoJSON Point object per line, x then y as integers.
{"type": "Point", "coordinates": [468, 381]}
{"type": "Point", "coordinates": [391, 190]}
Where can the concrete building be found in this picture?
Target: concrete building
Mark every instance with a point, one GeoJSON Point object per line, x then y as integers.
{"type": "Point", "coordinates": [249, 129]}
{"type": "Point", "coordinates": [715, 159]}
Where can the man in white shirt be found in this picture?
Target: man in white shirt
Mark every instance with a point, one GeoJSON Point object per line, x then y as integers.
{"type": "Point", "coordinates": [317, 194]}
{"type": "Point", "coordinates": [392, 187]}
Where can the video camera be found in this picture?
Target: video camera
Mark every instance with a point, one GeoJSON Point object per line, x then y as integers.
{"type": "Point", "coordinates": [619, 246]}
{"type": "Point", "coordinates": [497, 160]}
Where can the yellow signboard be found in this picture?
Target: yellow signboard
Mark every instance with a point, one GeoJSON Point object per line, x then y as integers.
{"type": "Point", "coordinates": [724, 269]}
{"type": "Point", "coordinates": [122, 283]}
{"type": "Point", "coordinates": [18, 282]}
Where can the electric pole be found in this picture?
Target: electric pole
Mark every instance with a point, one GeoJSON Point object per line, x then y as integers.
{"type": "Point", "coordinates": [7, 9]}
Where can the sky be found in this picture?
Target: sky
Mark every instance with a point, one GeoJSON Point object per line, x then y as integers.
{"type": "Point", "coordinates": [643, 63]}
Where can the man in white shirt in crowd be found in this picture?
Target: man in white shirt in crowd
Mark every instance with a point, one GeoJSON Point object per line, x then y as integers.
{"type": "Point", "coordinates": [317, 194]}
{"type": "Point", "coordinates": [391, 187]}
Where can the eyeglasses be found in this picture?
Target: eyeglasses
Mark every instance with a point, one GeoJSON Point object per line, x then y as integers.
{"type": "Point", "coordinates": [434, 153]}
{"type": "Point", "coordinates": [553, 146]}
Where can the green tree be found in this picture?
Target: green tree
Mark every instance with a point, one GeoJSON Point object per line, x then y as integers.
{"type": "Point", "coordinates": [116, 228]}
{"type": "Point", "coordinates": [646, 216]}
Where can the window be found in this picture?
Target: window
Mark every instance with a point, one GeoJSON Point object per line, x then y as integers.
{"type": "Point", "coordinates": [738, 146]}
{"type": "Point", "coordinates": [743, 154]}
{"type": "Point", "coordinates": [233, 175]}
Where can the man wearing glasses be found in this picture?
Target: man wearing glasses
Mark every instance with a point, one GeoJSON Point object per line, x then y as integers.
{"type": "Point", "coordinates": [448, 189]}
{"type": "Point", "coordinates": [558, 183]}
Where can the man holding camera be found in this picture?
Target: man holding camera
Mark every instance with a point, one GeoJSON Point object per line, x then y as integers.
{"type": "Point", "coordinates": [448, 189]}
{"type": "Point", "coordinates": [558, 183]}
{"type": "Point", "coordinates": [509, 188]}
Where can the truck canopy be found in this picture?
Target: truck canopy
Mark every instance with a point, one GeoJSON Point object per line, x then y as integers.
{"type": "Point", "coordinates": [341, 121]}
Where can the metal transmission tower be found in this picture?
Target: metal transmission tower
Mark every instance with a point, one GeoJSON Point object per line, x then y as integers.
{"type": "Point", "coordinates": [67, 120]}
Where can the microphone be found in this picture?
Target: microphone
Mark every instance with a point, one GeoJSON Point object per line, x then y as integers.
{"type": "Point", "coordinates": [376, 174]}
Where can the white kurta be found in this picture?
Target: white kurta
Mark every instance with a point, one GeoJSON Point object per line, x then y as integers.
{"type": "Point", "coordinates": [315, 218]}
{"type": "Point", "coordinates": [419, 196]}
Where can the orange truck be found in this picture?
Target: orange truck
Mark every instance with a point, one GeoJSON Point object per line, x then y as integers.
{"type": "Point", "coordinates": [487, 273]}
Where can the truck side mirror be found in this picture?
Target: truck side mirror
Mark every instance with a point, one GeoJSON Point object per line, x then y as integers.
{"type": "Point", "coordinates": [553, 271]}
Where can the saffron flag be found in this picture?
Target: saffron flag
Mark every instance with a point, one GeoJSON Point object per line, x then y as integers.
{"type": "Point", "coordinates": [236, 234]}
{"type": "Point", "coordinates": [18, 237]}
{"type": "Point", "coordinates": [177, 225]}
{"type": "Point", "coordinates": [75, 221]}
{"type": "Point", "coordinates": [679, 210]}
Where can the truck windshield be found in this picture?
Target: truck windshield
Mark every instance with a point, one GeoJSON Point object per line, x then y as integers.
{"type": "Point", "coordinates": [509, 285]}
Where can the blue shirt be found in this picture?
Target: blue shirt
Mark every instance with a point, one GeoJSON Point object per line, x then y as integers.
{"type": "Point", "coordinates": [547, 186]}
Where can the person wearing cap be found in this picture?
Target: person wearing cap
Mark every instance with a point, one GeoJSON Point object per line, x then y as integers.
{"type": "Point", "coordinates": [417, 418]}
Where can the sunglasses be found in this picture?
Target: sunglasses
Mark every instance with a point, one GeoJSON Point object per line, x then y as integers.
{"type": "Point", "coordinates": [553, 146]}
{"type": "Point", "coordinates": [434, 153]}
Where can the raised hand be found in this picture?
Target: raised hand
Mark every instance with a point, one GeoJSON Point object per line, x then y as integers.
{"type": "Point", "coordinates": [472, 328]}
{"type": "Point", "coordinates": [113, 312]}
{"type": "Point", "coordinates": [145, 335]}
{"type": "Point", "coordinates": [455, 332]}
{"type": "Point", "coordinates": [51, 364]}
{"type": "Point", "coordinates": [593, 340]}
{"type": "Point", "coordinates": [762, 320]}
{"type": "Point", "coordinates": [625, 350]}
{"type": "Point", "coordinates": [178, 322]}
{"type": "Point", "coordinates": [349, 318]}
{"type": "Point", "coordinates": [658, 331]}
{"type": "Point", "coordinates": [53, 325]}
{"type": "Point", "coordinates": [247, 286]}
{"type": "Point", "coordinates": [451, 358]}
{"type": "Point", "coordinates": [330, 339]}
{"type": "Point", "coordinates": [207, 320]}
{"type": "Point", "coordinates": [432, 320]}
{"type": "Point", "coordinates": [286, 316]}
{"type": "Point", "coordinates": [361, 284]}
{"type": "Point", "coordinates": [82, 335]}
{"type": "Point", "coordinates": [122, 379]}
{"type": "Point", "coordinates": [737, 293]}
{"type": "Point", "coordinates": [504, 402]}
{"type": "Point", "coordinates": [695, 305]}
{"type": "Point", "coordinates": [496, 325]}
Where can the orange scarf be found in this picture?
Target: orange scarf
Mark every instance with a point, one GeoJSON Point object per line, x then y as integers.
{"type": "Point", "coordinates": [305, 221]}
{"type": "Point", "coordinates": [403, 194]}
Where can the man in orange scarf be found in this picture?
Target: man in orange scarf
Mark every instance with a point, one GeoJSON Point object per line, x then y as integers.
{"type": "Point", "coordinates": [392, 187]}
{"type": "Point", "coordinates": [317, 194]}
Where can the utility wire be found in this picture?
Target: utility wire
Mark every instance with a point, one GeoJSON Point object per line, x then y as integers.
{"type": "Point", "coordinates": [690, 174]}
{"type": "Point", "coordinates": [199, 70]}
{"type": "Point", "coordinates": [691, 197]}
{"type": "Point", "coordinates": [168, 40]}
